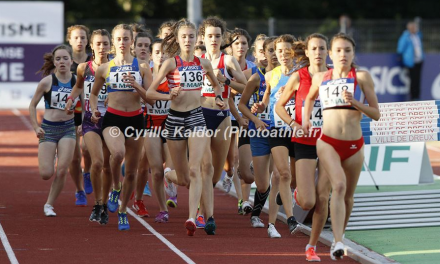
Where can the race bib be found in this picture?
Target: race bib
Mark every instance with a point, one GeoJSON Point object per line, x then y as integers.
{"type": "Point", "coordinates": [88, 85]}
{"type": "Point", "coordinates": [331, 93]}
{"type": "Point", "coordinates": [208, 89]}
{"type": "Point", "coordinates": [191, 77]}
{"type": "Point", "coordinates": [116, 83]}
{"type": "Point", "coordinates": [265, 114]}
{"type": "Point", "coordinates": [290, 108]}
{"type": "Point", "coordinates": [315, 116]}
{"type": "Point", "coordinates": [159, 108]}
{"type": "Point", "coordinates": [59, 98]}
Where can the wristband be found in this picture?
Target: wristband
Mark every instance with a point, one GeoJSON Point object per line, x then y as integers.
{"type": "Point", "coordinates": [219, 97]}
{"type": "Point", "coordinates": [69, 97]}
{"type": "Point", "coordinates": [292, 122]}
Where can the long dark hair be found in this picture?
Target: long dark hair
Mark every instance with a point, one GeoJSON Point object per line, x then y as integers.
{"type": "Point", "coordinates": [48, 65]}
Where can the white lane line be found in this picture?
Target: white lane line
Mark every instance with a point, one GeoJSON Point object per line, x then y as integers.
{"type": "Point", "coordinates": [161, 238]}
{"type": "Point", "coordinates": [7, 246]}
{"type": "Point", "coordinates": [23, 119]}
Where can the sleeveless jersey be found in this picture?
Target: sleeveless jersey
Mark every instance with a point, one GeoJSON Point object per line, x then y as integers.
{"type": "Point", "coordinates": [258, 97]}
{"type": "Point", "coordinates": [330, 91]}
{"type": "Point", "coordinates": [89, 80]}
{"type": "Point", "coordinates": [305, 81]}
{"type": "Point", "coordinates": [73, 69]}
{"type": "Point", "coordinates": [188, 75]}
{"type": "Point", "coordinates": [249, 65]}
{"type": "Point", "coordinates": [56, 98]}
{"type": "Point", "coordinates": [157, 113]}
{"type": "Point", "coordinates": [279, 80]}
{"type": "Point", "coordinates": [207, 90]}
{"type": "Point", "coordinates": [115, 74]}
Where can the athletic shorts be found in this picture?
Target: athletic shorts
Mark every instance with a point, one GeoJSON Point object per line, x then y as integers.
{"type": "Point", "coordinates": [55, 131]}
{"type": "Point", "coordinates": [214, 117]}
{"type": "Point", "coordinates": [179, 125]}
{"type": "Point", "coordinates": [78, 118]}
{"type": "Point", "coordinates": [243, 139]}
{"type": "Point", "coordinates": [127, 122]}
{"type": "Point", "coordinates": [281, 139]}
{"type": "Point", "coordinates": [303, 151]}
{"type": "Point", "coordinates": [259, 145]}
{"type": "Point", "coordinates": [234, 123]}
{"type": "Point", "coordinates": [89, 126]}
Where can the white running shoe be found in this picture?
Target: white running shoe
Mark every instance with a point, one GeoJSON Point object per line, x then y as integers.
{"type": "Point", "coordinates": [48, 210]}
{"type": "Point", "coordinates": [272, 231]}
{"type": "Point", "coordinates": [256, 222]}
{"type": "Point", "coordinates": [227, 183]}
{"type": "Point", "coordinates": [337, 251]}
{"type": "Point", "coordinates": [170, 188]}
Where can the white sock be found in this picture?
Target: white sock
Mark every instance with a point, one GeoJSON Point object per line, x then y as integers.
{"type": "Point", "coordinates": [310, 246]}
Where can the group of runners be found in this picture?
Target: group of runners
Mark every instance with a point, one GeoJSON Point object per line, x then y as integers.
{"type": "Point", "coordinates": [180, 108]}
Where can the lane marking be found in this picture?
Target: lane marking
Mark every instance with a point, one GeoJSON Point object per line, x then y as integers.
{"type": "Point", "coordinates": [160, 237]}
{"type": "Point", "coordinates": [16, 112]}
{"type": "Point", "coordinates": [415, 252]}
{"type": "Point", "coordinates": [7, 246]}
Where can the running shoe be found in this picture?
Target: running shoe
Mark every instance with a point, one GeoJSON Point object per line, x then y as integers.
{"type": "Point", "coordinates": [293, 224]}
{"type": "Point", "coordinates": [200, 222]}
{"type": "Point", "coordinates": [104, 215]}
{"type": "Point", "coordinates": [337, 251]}
{"type": "Point", "coordinates": [210, 226]}
{"type": "Point", "coordinates": [96, 213]}
{"type": "Point", "coordinates": [147, 190]}
{"type": "Point", "coordinates": [247, 208]}
{"type": "Point", "coordinates": [311, 255]}
{"type": "Point", "coordinates": [240, 207]}
{"type": "Point", "coordinates": [161, 217]}
{"type": "Point", "coordinates": [170, 188]}
{"type": "Point", "coordinates": [256, 222]}
{"type": "Point", "coordinates": [48, 211]}
{"type": "Point", "coordinates": [81, 199]}
{"type": "Point", "coordinates": [227, 183]}
{"type": "Point", "coordinates": [123, 221]}
{"type": "Point", "coordinates": [190, 227]}
{"type": "Point", "coordinates": [278, 199]}
{"type": "Point", "coordinates": [140, 209]}
{"type": "Point", "coordinates": [272, 231]}
{"type": "Point", "coordinates": [87, 183]}
{"type": "Point", "coordinates": [172, 202]}
{"type": "Point", "coordinates": [113, 200]}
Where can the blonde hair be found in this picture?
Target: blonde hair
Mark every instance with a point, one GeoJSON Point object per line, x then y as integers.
{"type": "Point", "coordinates": [120, 26]}
{"type": "Point", "coordinates": [169, 44]}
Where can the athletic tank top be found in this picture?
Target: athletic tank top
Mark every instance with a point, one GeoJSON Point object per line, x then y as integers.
{"type": "Point", "coordinates": [207, 90]}
{"type": "Point", "coordinates": [237, 97]}
{"type": "Point", "coordinates": [56, 97]}
{"type": "Point", "coordinates": [116, 73]}
{"type": "Point", "coordinates": [89, 80]}
{"type": "Point", "coordinates": [188, 75]}
{"type": "Point", "coordinates": [305, 81]}
{"type": "Point", "coordinates": [279, 80]}
{"type": "Point", "coordinates": [73, 69]}
{"type": "Point", "coordinates": [258, 97]}
{"type": "Point", "coordinates": [330, 91]}
{"type": "Point", "coordinates": [161, 107]}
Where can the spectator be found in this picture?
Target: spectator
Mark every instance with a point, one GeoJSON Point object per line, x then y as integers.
{"type": "Point", "coordinates": [410, 50]}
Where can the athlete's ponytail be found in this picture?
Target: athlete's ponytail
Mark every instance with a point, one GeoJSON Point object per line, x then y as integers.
{"type": "Point", "coordinates": [233, 37]}
{"type": "Point", "coordinates": [49, 65]}
{"type": "Point", "coordinates": [169, 43]}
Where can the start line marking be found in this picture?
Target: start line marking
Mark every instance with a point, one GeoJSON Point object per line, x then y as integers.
{"type": "Point", "coordinates": [161, 238]}
{"type": "Point", "coordinates": [7, 246]}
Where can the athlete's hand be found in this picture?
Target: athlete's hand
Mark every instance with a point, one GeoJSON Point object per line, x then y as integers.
{"type": "Point", "coordinates": [40, 133]}
{"type": "Point", "coordinates": [79, 130]}
{"type": "Point", "coordinates": [68, 107]}
{"type": "Point", "coordinates": [243, 122]}
{"type": "Point", "coordinates": [296, 128]}
{"type": "Point", "coordinates": [220, 77]}
{"type": "Point", "coordinates": [96, 115]}
{"type": "Point", "coordinates": [175, 92]}
{"type": "Point", "coordinates": [220, 103]}
{"type": "Point", "coordinates": [348, 97]}
{"type": "Point", "coordinates": [130, 80]}
{"type": "Point", "coordinates": [306, 126]}
{"type": "Point", "coordinates": [258, 108]}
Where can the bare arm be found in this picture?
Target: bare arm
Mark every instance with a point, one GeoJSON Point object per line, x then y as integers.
{"type": "Point", "coordinates": [213, 80]}
{"type": "Point", "coordinates": [43, 86]}
{"type": "Point", "coordinates": [367, 85]}
{"type": "Point", "coordinates": [152, 94]}
{"type": "Point", "coordinates": [310, 100]}
{"type": "Point", "coordinates": [147, 79]}
{"type": "Point", "coordinates": [77, 90]}
{"type": "Point", "coordinates": [252, 85]}
{"type": "Point", "coordinates": [239, 82]}
{"type": "Point", "coordinates": [97, 86]}
{"type": "Point", "coordinates": [289, 91]}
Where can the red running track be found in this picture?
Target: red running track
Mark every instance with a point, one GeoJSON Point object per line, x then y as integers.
{"type": "Point", "coordinates": [71, 238]}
